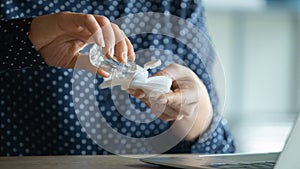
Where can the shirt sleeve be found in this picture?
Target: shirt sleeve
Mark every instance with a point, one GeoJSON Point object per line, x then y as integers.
{"type": "Point", "coordinates": [216, 141]}
{"type": "Point", "coordinates": [16, 50]}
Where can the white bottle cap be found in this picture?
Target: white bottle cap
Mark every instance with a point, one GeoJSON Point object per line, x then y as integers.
{"type": "Point", "coordinates": [152, 64]}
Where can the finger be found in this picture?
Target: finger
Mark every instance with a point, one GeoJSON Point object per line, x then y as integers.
{"type": "Point", "coordinates": [130, 49]}
{"type": "Point", "coordinates": [86, 24]}
{"type": "Point", "coordinates": [165, 117]}
{"type": "Point", "coordinates": [180, 97]}
{"type": "Point", "coordinates": [175, 72]}
{"type": "Point", "coordinates": [121, 46]}
{"type": "Point", "coordinates": [81, 61]}
{"type": "Point", "coordinates": [97, 38]}
{"type": "Point", "coordinates": [131, 53]}
{"type": "Point", "coordinates": [158, 107]}
{"type": "Point", "coordinates": [131, 92]}
{"type": "Point", "coordinates": [162, 111]}
{"type": "Point", "coordinates": [102, 73]}
{"type": "Point", "coordinates": [146, 101]}
{"type": "Point", "coordinates": [108, 35]}
{"type": "Point", "coordinates": [137, 93]}
{"type": "Point", "coordinates": [158, 110]}
{"type": "Point", "coordinates": [172, 113]}
{"type": "Point", "coordinates": [180, 107]}
{"type": "Point", "coordinates": [175, 85]}
{"type": "Point", "coordinates": [185, 110]}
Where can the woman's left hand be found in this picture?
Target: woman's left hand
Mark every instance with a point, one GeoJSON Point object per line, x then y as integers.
{"type": "Point", "coordinates": [187, 102]}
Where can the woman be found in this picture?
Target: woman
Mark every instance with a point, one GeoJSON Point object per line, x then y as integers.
{"type": "Point", "coordinates": [37, 104]}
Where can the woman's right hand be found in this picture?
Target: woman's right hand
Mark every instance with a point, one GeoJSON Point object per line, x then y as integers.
{"type": "Point", "coordinates": [60, 37]}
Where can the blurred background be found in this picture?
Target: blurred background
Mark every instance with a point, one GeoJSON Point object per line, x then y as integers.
{"type": "Point", "coordinates": [258, 44]}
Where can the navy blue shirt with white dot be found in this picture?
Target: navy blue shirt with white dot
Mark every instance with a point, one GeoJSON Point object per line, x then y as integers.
{"type": "Point", "coordinates": [37, 115]}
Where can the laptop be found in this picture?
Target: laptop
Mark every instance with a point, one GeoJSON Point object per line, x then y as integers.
{"type": "Point", "coordinates": [287, 159]}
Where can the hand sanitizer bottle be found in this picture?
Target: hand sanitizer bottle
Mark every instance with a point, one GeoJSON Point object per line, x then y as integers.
{"type": "Point", "coordinates": [109, 65]}
{"type": "Point", "coordinates": [129, 75]}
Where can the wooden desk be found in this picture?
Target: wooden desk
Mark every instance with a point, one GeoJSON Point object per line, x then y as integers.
{"type": "Point", "coordinates": [74, 162]}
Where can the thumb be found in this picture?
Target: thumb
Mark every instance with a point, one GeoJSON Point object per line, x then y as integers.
{"type": "Point", "coordinates": [174, 71]}
{"type": "Point", "coordinates": [81, 61]}
{"type": "Point", "coordinates": [168, 72]}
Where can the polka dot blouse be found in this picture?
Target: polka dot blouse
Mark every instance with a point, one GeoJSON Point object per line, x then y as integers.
{"type": "Point", "coordinates": [37, 114]}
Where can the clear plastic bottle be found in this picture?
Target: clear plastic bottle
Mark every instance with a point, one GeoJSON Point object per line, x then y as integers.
{"type": "Point", "coordinates": [129, 75]}
{"type": "Point", "coordinates": [109, 65]}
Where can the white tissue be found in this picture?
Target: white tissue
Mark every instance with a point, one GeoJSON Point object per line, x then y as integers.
{"type": "Point", "coordinates": [154, 85]}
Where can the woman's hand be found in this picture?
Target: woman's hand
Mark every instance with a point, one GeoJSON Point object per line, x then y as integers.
{"type": "Point", "coordinates": [187, 102]}
{"type": "Point", "coordinates": [59, 38]}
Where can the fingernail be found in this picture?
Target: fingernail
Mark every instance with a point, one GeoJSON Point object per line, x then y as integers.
{"type": "Point", "coordinates": [162, 101]}
{"type": "Point", "coordinates": [130, 91]}
{"type": "Point", "coordinates": [101, 42]}
{"type": "Point", "coordinates": [131, 55]}
{"type": "Point", "coordinates": [141, 96]}
{"type": "Point", "coordinates": [180, 117]}
{"type": "Point", "coordinates": [124, 57]}
{"type": "Point", "coordinates": [111, 52]}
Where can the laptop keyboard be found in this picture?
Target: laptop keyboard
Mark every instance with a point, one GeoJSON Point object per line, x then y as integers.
{"type": "Point", "coordinates": [256, 165]}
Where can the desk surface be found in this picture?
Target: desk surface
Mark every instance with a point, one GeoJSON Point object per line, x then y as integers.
{"type": "Point", "coordinates": [74, 162]}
